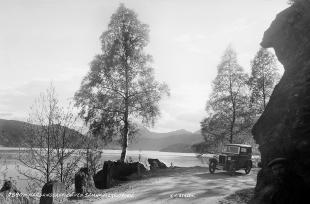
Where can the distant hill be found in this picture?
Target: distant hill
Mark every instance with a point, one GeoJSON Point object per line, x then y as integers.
{"type": "Point", "coordinates": [12, 133]}
{"type": "Point", "coordinates": [175, 141]}
{"type": "Point", "coordinates": [144, 132]}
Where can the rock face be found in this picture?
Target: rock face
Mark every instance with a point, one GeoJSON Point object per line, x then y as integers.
{"type": "Point", "coordinates": [283, 130]}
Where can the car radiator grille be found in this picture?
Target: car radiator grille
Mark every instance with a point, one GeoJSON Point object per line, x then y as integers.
{"type": "Point", "coordinates": [222, 159]}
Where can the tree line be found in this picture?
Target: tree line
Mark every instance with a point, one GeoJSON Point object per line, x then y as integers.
{"type": "Point", "coordinates": [237, 99]}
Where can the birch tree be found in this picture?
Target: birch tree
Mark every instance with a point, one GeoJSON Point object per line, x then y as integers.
{"type": "Point", "coordinates": [120, 85]}
{"type": "Point", "coordinates": [264, 76]}
{"type": "Point", "coordinates": [228, 104]}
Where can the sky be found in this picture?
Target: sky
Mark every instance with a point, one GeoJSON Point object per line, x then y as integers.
{"type": "Point", "coordinates": [44, 41]}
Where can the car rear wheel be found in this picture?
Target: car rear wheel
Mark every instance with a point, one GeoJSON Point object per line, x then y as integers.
{"type": "Point", "coordinates": [212, 167]}
{"type": "Point", "coordinates": [248, 167]}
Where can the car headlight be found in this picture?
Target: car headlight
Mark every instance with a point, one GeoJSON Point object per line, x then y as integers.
{"type": "Point", "coordinates": [228, 158]}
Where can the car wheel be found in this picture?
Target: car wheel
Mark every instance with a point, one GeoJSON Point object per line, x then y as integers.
{"type": "Point", "coordinates": [212, 167]}
{"type": "Point", "coordinates": [248, 168]}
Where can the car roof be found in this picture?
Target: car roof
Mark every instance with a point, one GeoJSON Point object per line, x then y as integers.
{"type": "Point", "coordinates": [239, 145]}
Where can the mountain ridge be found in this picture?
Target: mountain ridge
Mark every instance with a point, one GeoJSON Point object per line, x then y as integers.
{"type": "Point", "coordinates": [11, 134]}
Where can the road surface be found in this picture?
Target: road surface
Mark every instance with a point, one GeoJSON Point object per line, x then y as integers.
{"type": "Point", "coordinates": [179, 185]}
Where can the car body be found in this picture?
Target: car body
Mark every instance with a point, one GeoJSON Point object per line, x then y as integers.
{"type": "Point", "coordinates": [233, 158]}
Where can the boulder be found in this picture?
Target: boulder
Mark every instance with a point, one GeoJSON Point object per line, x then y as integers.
{"type": "Point", "coordinates": [121, 171]}
{"type": "Point", "coordinates": [139, 168]}
{"type": "Point", "coordinates": [10, 195]}
{"type": "Point", "coordinates": [99, 179]}
{"type": "Point", "coordinates": [155, 164]}
{"type": "Point", "coordinates": [8, 186]}
{"type": "Point", "coordinates": [103, 178]}
{"type": "Point", "coordinates": [107, 174]}
{"type": "Point", "coordinates": [53, 192]}
{"type": "Point", "coordinates": [283, 130]}
{"type": "Point", "coordinates": [116, 170]}
{"type": "Point", "coordinates": [83, 181]}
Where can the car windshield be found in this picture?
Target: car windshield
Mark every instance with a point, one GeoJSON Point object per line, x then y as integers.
{"type": "Point", "coordinates": [231, 149]}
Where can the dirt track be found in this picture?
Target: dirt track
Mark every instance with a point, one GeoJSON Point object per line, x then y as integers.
{"type": "Point", "coordinates": [180, 185]}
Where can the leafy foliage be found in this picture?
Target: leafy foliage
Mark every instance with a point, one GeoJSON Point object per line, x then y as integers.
{"type": "Point", "coordinates": [227, 107]}
{"type": "Point", "coordinates": [237, 100]}
{"type": "Point", "coordinates": [120, 86]}
{"type": "Point", "coordinates": [263, 78]}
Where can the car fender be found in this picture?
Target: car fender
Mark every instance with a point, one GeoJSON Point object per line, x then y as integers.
{"type": "Point", "coordinates": [250, 161]}
{"type": "Point", "coordinates": [213, 159]}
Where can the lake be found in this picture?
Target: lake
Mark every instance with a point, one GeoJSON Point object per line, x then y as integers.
{"type": "Point", "coordinates": [8, 165]}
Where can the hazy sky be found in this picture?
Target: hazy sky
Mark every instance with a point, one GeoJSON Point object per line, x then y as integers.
{"type": "Point", "coordinates": [55, 40]}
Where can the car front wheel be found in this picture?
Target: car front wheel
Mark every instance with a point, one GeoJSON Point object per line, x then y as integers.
{"type": "Point", "coordinates": [212, 167]}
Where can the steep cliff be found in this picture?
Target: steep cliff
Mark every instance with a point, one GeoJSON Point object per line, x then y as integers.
{"type": "Point", "coordinates": [283, 130]}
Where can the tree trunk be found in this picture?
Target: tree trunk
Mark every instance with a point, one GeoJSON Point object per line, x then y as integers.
{"type": "Point", "coordinates": [232, 128]}
{"type": "Point", "coordinates": [233, 111]}
{"type": "Point", "coordinates": [48, 155]}
{"type": "Point", "coordinates": [125, 140]}
{"type": "Point", "coordinates": [62, 156]}
{"type": "Point", "coordinates": [126, 99]}
{"type": "Point", "coordinates": [126, 122]}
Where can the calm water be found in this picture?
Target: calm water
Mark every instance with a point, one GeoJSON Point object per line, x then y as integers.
{"type": "Point", "coordinates": [9, 167]}
{"type": "Point", "coordinates": [177, 159]}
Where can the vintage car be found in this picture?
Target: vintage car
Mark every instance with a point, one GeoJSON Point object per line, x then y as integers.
{"type": "Point", "coordinates": [233, 158]}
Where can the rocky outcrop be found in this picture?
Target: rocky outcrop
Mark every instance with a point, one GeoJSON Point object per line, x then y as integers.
{"type": "Point", "coordinates": [121, 171]}
{"type": "Point", "coordinates": [103, 178]}
{"type": "Point", "coordinates": [53, 192]}
{"type": "Point", "coordinates": [156, 164]}
{"type": "Point", "coordinates": [99, 179]}
{"type": "Point", "coordinates": [83, 181]}
{"type": "Point", "coordinates": [10, 195]}
{"type": "Point", "coordinates": [116, 171]}
{"type": "Point", "coordinates": [283, 130]}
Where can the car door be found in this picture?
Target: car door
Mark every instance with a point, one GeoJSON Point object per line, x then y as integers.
{"type": "Point", "coordinates": [243, 157]}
